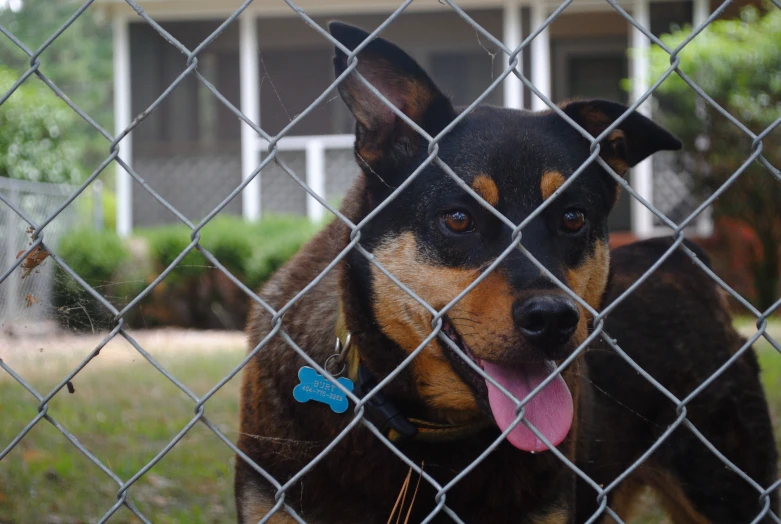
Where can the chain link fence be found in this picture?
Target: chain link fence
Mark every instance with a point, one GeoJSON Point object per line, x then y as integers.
{"type": "Point", "coordinates": [39, 201]}
{"type": "Point", "coordinates": [36, 232]}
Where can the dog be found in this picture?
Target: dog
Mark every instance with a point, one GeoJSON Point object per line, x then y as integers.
{"type": "Point", "coordinates": [678, 328]}
{"type": "Point", "coordinates": [515, 325]}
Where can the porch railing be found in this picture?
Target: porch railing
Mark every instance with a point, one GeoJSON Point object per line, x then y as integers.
{"type": "Point", "coordinates": [314, 148]}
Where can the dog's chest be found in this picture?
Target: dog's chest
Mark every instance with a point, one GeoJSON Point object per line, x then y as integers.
{"type": "Point", "coordinates": [365, 484]}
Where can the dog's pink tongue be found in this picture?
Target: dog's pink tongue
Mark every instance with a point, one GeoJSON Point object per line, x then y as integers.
{"type": "Point", "coordinates": [550, 411]}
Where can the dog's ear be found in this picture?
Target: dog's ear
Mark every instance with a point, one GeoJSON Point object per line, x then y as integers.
{"type": "Point", "coordinates": [383, 140]}
{"type": "Point", "coordinates": [635, 139]}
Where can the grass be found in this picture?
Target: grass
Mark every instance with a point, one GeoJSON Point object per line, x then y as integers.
{"type": "Point", "coordinates": [126, 414]}
{"type": "Point", "coordinates": [770, 364]}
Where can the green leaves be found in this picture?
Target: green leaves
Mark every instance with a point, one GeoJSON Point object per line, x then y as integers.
{"type": "Point", "coordinates": [41, 138]}
{"type": "Point", "coordinates": [738, 64]}
{"type": "Point", "coordinates": [33, 123]}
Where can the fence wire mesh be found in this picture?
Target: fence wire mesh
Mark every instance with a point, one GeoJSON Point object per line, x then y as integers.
{"type": "Point", "coordinates": [43, 234]}
{"type": "Point", "coordinates": [38, 200]}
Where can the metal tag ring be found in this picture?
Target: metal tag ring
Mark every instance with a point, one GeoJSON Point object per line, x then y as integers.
{"type": "Point", "coordinates": [329, 363]}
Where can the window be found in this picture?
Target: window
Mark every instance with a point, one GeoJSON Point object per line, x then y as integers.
{"type": "Point", "coordinates": [464, 75]}
{"type": "Point", "coordinates": [191, 119]}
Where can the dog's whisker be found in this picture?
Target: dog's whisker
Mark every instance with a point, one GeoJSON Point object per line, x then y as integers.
{"type": "Point", "coordinates": [286, 440]}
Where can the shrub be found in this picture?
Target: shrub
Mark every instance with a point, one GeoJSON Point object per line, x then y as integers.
{"type": "Point", "coordinates": [96, 257]}
{"type": "Point", "coordinates": [274, 241]}
{"type": "Point", "coordinates": [252, 251]}
{"type": "Point", "coordinates": [165, 244]}
{"type": "Point", "coordinates": [738, 63]}
{"type": "Point", "coordinates": [194, 293]}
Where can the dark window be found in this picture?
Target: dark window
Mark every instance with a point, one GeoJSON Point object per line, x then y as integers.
{"type": "Point", "coordinates": [464, 75]}
{"type": "Point", "coordinates": [597, 76]}
{"type": "Point", "coordinates": [290, 80]}
{"type": "Point", "coordinates": [666, 16]}
{"type": "Point", "coordinates": [191, 117]}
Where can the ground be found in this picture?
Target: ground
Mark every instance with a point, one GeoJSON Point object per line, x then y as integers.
{"type": "Point", "coordinates": [125, 412]}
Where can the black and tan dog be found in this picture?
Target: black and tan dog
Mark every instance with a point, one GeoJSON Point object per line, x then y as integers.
{"type": "Point", "coordinates": [516, 325]}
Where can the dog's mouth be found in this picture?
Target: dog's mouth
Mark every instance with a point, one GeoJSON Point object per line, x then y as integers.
{"type": "Point", "coordinates": [550, 411]}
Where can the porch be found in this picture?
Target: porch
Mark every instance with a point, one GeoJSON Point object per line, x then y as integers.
{"type": "Point", "coordinates": [271, 65]}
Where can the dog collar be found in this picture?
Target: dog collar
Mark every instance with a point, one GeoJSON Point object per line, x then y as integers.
{"type": "Point", "coordinates": [384, 412]}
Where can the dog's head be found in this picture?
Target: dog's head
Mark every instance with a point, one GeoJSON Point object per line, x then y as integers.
{"type": "Point", "coordinates": [437, 239]}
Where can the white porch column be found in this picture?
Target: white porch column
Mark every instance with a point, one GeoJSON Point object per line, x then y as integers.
{"type": "Point", "coordinates": [512, 35]}
{"type": "Point", "coordinates": [122, 119]}
{"type": "Point", "coordinates": [540, 48]}
{"type": "Point", "coordinates": [701, 12]}
{"type": "Point", "coordinates": [642, 181]}
{"type": "Point", "coordinates": [250, 106]}
{"type": "Point", "coordinates": [315, 178]}
{"type": "Point", "coordinates": [703, 224]}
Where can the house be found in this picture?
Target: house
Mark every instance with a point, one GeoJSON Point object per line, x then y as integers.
{"type": "Point", "coordinates": [271, 65]}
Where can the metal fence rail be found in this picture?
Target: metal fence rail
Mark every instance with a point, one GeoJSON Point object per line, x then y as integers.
{"type": "Point", "coordinates": [42, 236]}
{"type": "Point", "coordinates": [39, 200]}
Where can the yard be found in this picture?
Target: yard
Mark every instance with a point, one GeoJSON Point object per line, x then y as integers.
{"type": "Point", "coordinates": [124, 411]}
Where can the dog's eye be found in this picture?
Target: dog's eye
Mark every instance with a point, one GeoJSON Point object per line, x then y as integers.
{"type": "Point", "coordinates": [458, 221]}
{"type": "Point", "coordinates": [572, 221]}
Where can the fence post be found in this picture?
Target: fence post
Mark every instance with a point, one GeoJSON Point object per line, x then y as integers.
{"type": "Point", "coordinates": [315, 178]}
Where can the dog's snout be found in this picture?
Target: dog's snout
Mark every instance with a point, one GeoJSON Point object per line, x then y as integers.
{"type": "Point", "coordinates": [546, 320]}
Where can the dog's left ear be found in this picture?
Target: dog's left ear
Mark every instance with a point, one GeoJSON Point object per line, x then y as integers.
{"type": "Point", "coordinates": [385, 141]}
{"type": "Point", "coordinates": [635, 139]}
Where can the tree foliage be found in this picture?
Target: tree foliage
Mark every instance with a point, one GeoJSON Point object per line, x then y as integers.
{"type": "Point", "coordinates": [32, 145]}
{"type": "Point", "coordinates": [41, 138]}
{"type": "Point", "coordinates": [738, 64]}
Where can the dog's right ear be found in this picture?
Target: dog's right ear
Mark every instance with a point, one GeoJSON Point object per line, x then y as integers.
{"type": "Point", "coordinates": [383, 140]}
{"type": "Point", "coordinates": [634, 140]}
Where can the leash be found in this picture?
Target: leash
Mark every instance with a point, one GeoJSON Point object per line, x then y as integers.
{"type": "Point", "coordinates": [383, 411]}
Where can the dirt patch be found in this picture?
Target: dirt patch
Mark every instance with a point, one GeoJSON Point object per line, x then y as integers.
{"type": "Point", "coordinates": [42, 349]}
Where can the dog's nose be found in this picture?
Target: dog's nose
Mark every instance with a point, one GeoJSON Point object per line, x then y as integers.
{"type": "Point", "coordinates": [547, 319]}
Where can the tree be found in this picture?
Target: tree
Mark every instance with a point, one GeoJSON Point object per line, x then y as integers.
{"type": "Point", "coordinates": [41, 138]}
{"type": "Point", "coordinates": [32, 146]}
{"type": "Point", "coordinates": [738, 64]}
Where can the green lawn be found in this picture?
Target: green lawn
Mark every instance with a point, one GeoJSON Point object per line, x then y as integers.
{"type": "Point", "coordinates": [770, 364]}
{"type": "Point", "coordinates": [125, 413]}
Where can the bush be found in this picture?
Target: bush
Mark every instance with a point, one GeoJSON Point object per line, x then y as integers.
{"type": "Point", "coordinates": [738, 63]}
{"type": "Point", "coordinates": [194, 293]}
{"type": "Point", "coordinates": [252, 251]}
{"type": "Point", "coordinates": [96, 257]}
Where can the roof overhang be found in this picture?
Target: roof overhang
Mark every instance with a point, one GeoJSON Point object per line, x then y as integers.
{"type": "Point", "coordinates": [210, 9]}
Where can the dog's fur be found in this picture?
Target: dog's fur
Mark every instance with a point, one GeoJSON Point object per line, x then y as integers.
{"type": "Point", "coordinates": [675, 325]}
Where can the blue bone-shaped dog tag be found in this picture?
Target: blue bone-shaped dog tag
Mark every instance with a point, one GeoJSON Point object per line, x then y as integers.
{"type": "Point", "coordinates": [315, 387]}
